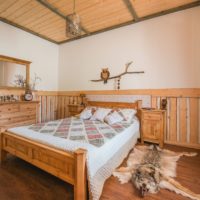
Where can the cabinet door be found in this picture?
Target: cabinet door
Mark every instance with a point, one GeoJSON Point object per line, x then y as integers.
{"type": "Point", "coordinates": [151, 129]}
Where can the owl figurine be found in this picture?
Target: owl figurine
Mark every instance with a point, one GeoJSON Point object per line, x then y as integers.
{"type": "Point", "coordinates": [105, 74]}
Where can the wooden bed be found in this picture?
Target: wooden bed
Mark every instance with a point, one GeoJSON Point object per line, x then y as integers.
{"type": "Point", "coordinates": [70, 167]}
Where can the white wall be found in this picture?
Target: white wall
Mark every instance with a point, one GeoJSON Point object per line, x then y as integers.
{"type": "Point", "coordinates": [167, 48]}
{"type": "Point", "coordinates": [43, 54]}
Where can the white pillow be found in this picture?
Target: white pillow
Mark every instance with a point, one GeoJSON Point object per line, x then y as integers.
{"type": "Point", "coordinates": [128, 113]}
{"type": "Point", "coordinates": [86, 114]}
{"type": "Point", "coordinates": [100, 114]}
{"type": "Point", "coordinates": [113, 118]}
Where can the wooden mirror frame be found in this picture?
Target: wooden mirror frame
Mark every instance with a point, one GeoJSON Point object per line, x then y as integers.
{"type": "Point", "coordinates": [17, 61]}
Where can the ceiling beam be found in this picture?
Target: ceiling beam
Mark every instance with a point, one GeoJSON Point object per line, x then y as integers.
{"type": "Point", "coordinates": [27, 30]}
{"type": "Point", "coordinates": [56, 11]}
{"type": "Point", "coordinates": [131, 9]}
{"type": "Point", "coordinates": [172, 10]}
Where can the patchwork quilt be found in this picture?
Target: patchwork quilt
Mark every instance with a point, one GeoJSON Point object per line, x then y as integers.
{"type": "Point", "coordinates": [95, 133]}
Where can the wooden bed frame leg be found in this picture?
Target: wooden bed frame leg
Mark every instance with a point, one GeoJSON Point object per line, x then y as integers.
{"type": "Point", "coordinates": [3, 153]}
{"type": "Point", "coordinates": [80, 186]}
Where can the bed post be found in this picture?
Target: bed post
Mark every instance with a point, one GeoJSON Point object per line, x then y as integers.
{"type": "Point", "coordinates": [80, 186]}
{"type": "Point", "coordinates": [139, 104]}
{"type": "Point", "coordinates": [2, 152]}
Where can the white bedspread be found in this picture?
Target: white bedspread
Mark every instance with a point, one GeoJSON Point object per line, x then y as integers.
{"type": "Point", "coordinates": [101, 161]}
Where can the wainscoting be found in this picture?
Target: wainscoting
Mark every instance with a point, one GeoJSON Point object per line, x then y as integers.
{"type": "Point", "coordinates": [182, 118]}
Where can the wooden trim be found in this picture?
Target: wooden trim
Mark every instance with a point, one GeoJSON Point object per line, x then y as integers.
{"type": "Point", "coordinates": [169, 92]}
{"type": "Point", "coordinates": [8, 88]}
{"type": "Point", "coordinates": [131, 9]}
{"type": "Point", "coordinates": [51, 8]}
{"type": "Point", "coordinates": [188, 145]}
{"type": "Point", "coordinates": [57, 12]}
{"type": "Point", "coordinates": [18, 102]}
{"type": "Point", "coordinates": [135, 105]}
{"type": "Point", "coordinates": [46, 93]}
{"type": "Point", "coordinates": [14, 60]}
{"type": "Point", "coordinates": [27, 30]}
{"type": "Point", "coordinates": [18, 61]}
{"type": "Point", "coordinates": [28, 75]}
{"type": "Point", "coordinates": [172, 10]}
{"type": "Point", "coordinates": [3, 153]}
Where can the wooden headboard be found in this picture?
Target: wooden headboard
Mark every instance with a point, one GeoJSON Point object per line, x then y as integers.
{"type": "Point", "coordinates": [135, 105]}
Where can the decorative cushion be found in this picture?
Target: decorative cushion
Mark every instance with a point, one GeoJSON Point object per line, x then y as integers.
{"type": "Point", "coordinates": [113, 118]}
{"type": "Point", "coordinates": [127, 114]}
{"type": "Point", "coordinates": [100, 114]}
{"type": "Point", "coordinates": [87, 112]}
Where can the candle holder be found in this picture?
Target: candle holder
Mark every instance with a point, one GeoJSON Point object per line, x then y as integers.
{"type": "Point", "coordinates": [82, 96]}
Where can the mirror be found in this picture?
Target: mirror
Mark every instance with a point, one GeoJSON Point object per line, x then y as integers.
{"type": "Point", "coordinates": [14, 72]}
{"type": "Point", "coordinates": [12, 75]}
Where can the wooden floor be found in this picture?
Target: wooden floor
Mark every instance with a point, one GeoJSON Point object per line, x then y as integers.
{"type": "Point", "coordinates": [22, 181]}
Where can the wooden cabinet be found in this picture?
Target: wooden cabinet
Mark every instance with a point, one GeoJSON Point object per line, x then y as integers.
{"type": "Point", "coordinates": [75, 109]}
{"type": "Point", "coordinates": [152, 126]}
{"type": "Point", "coordinates": [17, 113]}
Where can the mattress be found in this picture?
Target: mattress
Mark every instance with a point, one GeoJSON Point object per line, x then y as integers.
{"type": "Point", "coordinates": [101, 161]}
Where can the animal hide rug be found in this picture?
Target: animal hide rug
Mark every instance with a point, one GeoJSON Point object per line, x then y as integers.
{"type": "Point", "coordinates": [151, 168]}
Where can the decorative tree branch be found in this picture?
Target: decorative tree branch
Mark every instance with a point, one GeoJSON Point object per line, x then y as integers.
{"type": "Point", "coordinates": [122, 74]}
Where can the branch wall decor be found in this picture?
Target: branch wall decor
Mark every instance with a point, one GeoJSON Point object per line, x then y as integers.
{"type": "Point", "coordinates": [106, 77]}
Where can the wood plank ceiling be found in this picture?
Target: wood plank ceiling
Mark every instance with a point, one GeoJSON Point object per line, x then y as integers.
{"type": "Point", "coordinates": [47, 18]}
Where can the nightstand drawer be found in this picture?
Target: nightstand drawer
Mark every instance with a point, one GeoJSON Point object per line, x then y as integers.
{"type": "Point", "coordinates": [152, 116]}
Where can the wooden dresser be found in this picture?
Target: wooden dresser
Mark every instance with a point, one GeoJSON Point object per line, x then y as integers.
{"type": "Point", "coordinates": [152, 126]}
{"type": "Point", "coordinates": [17, 113]}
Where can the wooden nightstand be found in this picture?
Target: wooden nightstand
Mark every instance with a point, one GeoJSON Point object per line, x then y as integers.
{"type": "Point", "coordinates": [75, 109]}
{"type": "Point", "coordinates": [152, 126]}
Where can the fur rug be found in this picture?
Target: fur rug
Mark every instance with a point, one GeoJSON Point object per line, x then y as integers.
{"type": "Point", "coordinates": [151, 168]}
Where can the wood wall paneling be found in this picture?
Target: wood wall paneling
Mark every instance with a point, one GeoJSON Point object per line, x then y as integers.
{"type": "Point", "coordinates": [182, 116]}
{"type": "Point", "coordinates": [194, 115]}
{"type": "Point", "coordinates": [183, 120]}
{"type": "Point", "coordinates": [173, 120]}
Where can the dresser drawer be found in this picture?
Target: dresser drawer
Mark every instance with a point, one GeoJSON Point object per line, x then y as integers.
{"type": "Point", "coordinates": [17, 114]}
{"type": "Point", "coordinates": [152, 116]}
{"type": "Point", "coordinates": [9, 108]}
{"type": "Point", "coordinates": [27, 107]}
{"type": "Point", "coordinates": [17, 119]}
{"type": "Point", "coordinates": [17, 124]}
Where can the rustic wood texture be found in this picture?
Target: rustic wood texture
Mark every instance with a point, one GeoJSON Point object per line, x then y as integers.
{"type": "Point", "coordinates": [16, 173]}
{"type": "Point", "coordinates": [18, 113]}
{"type": "Point", "coordinates": [70, 167]}
{"type": "Point", "coordinates": [135, 105]}
{"type": "Point", "coordinates": [47, 18]}
{"type": "Point", "coordinates": [178, 133]}
{"type": "Point", "coordinates": [173, 120]}
{"type": "Point", "coordinates": [183, 120]}
{"type": "Point", "coordinates": [75, 109]}
{"type": "Point", "coordinates": [67, 166]}
{"type": "Point", "coordinates": [194, 124]}
{"type": "Point", "coordinates": [152, 126]}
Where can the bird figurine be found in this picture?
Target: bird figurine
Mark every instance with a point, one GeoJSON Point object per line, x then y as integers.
{"type": "Point", "coordinates": [105, 74]}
